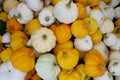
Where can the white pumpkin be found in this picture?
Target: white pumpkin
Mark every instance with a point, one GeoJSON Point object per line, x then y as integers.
{"type": "Point", "coordinates": [107, 26]}
{"type": "Point", "coordinates": [83, 44]}
{"type": "Point", "coordinates": [117, 77]}
{"type": "Point", "coordinates": [65, 11]}
{"type": "Point", "coordinates": [88, 10]}
{"type": "Point", "coordinates": [106, 76]}
{"type": "Point", "coordinates": [114, 55]}
{"type": "Point", "coordinates": [98, 15]}
{"type": "Point", "coordinates": [35, 5]}
{"type": "Point", "coordinates": [6, 38]}
{"type": "Point", "coordinates": [116, 46]}
{"type": "Point", "coordinates": [46, 16]}
{"type": "Point", "coordinates": [110, 39]}
{"type": "Point", "coordinates": [101, 47]}
{"type": "Point", "coordinates": [114, 3]}
{"type": "Point", "coordinates": [43, 40]}
{"type": "Point", "coordinates": [117, 12]}
{"type": "Point", "coordinates": [114, 67]}
{"type": "Point", "coordinates": [8, 72]}
{"type": "Point", "coordinates": [47, 67]}
{"type": "Point", "coordinates": [12, 12]}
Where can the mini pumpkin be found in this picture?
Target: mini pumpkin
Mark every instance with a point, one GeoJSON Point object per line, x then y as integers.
{"type": "Point", "coordinates": [94, 63]}
{"type": "Point", "coordinates": [4, 16]}
{"type": "Point", "coordinates": [23, 59]}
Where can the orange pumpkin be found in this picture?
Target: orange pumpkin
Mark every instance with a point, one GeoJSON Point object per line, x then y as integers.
{"type": "Point", "coordinates": [13, 25]}
{"type": "Point", "coordinates": [68, 58]}
{"type": "Point", "coordinates": [23, 59]}
{"type": "Point", "coordinates": [62, 32]}
{"type": "Point", "coordinates": [81, 1]}
{"type": "Point", "coordinates": [94, 63]}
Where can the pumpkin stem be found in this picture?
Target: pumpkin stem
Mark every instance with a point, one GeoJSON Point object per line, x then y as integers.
{"type": "Point", "coordinates": [115, 63]}
{"type": "Point", "coordinates": [64, 54]}
{"type": "Point", "coordinates": [17, 16]}
{"type": "Point", "coordinates": [69, 71]}
{"type": "Point", "coordinates": [118, 30]}
{"type": "Point", "coordinates": [87, 4]}
{"type": "Point", "coordinates": [25, 44]}
{"type": "Point", "coordinates": [105, 36]}
{"type": "Point", "coordinates": [68, 5]}
{"type": "Point", "coordinates": [88, 23]}
{"type": "Point", "coordinates": [57, 22]}
{"type": "Point", "coordinates": [86, 77]}
{"type": "Point", "coordinates": [54, 64]}
{"type": "Point", "coordinates": [44, 36]}
{"type": "Point", "coordinates": [101, 66]}
{"type": "Point", "coordinates": [110, 74]}
{"type": "Point", "coordinates": [47, 18]}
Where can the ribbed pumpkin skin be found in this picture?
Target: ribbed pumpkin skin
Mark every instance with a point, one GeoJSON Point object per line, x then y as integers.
{"type": "Point", "coordinates": [23, 59]}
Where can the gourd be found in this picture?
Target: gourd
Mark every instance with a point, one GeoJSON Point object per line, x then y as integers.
{"type": "Point", "coordinates": [43, 40]}
{"type": "Point", "coordinates": [97, 68]}
{"type": "Point", "coordinates": [114, 55]}
{"type": "Point", "coordinates": [107, 76]}
{"type": "Point", "coordinates": [47, 64]}
{"type": "Point", "coordinates": [31, 26]}
{"type": "Point", "coordinates": [72, 73]}
{"type": "Point", "coordinates": [117, 12]}
{"type": "Point", "coordinates": [107, 26]}
{"type": "Point", "coordinates": [113, 67]}
{"type": "Point", "coordinates": [7, 5]}
{"type": "Point", "coordinates": [46, 16]}
{"type": "Point", "coordinates": [23, 59]}
{"type": "Point", "coordinates": [68, 58]}
{"type": "Point", "coordinates": [62, 11]}
{"type": "Point", "coordinates": [83, 44]}
{"type": "Point", "coordinates": [2, 27]}
{"type": "Point", "coordinates": [13, 25]}
{"type": "Point", "coordinates": [35, 5]}
{"type": "Point", "coordinates": [6, 37]}
{"type": "Point", "coordinates": [9, 72]}
{"type": "Point", "coordinates": [62, 32]}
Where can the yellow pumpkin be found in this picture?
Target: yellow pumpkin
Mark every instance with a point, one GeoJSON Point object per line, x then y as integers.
{"type": "Point", "coordinates": [96, 37]}
{"type": "Point", "coordinates": [68, 58]}
{"type": "Point", "coordinates": [58, 47]}
{"type": "Point", "coordinates": [62, 32]}
{"type": "Point", "coordinates": [116, 31]}
{"type": "Point", "coordinates": [54, 2]}
{"type": "Point", "coordinates": [6, 53]}
{"type": "Point", "coordinates": [81, 28]}
{"type": "Point", "coordinates": [94, 63]}
{"type": "Point", "coordinates": [81, 69]}
{"type": "Point", "coordinates": [23, 59]}
{"type": "Point", "coordinates": [17, 39]}
{"type": "Point", "coordinates": [32, 25]}
{"type": "Point", "coordinates": [117, 22]}
{"type": "Point", "coordinates": [69, 75]}
{"type": "Point", "coordinates": [81, 10]}
{"type": "Point", "coordinates": [3, 16]}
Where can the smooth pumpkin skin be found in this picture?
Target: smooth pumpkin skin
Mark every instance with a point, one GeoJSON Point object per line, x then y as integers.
{"type": "Point", "coordinates": [94, 63]}
{"type": "Point", "coordinates": [23, 59]}
{"type": "Point", "coordinates": [69, 75]}
{"type": "Point", "coordinates": [62, 32]}
{"type": "Point", "coordinates": [13, 25]}
{"type": "Point", "coordinates": [68, 58]}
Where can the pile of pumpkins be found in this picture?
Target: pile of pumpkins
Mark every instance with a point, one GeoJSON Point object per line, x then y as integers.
{"type": "Point", "coordinates": [60, 40]}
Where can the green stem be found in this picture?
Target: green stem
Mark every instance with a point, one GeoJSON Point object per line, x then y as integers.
{"type": "Point", "coordinates": [86, 77]}
{"type": "Point", "coordinates": [87, 4]}
{"type": "Point", "coordinates": [68, 5]}
{"type": "Point", "coordinates": [47, 18]}
{"type": "Point", "coordinates": [118, 30]}
{"type": "Point", "coordinates": [88, 23]}
{"type": "Point", "coordinates": [105, 36]}
{"type": "Point", "coordinates": [64, 54]}
{"type": "Point", "coordinates": [115, 63]}
{"type": "Point", "coordinates": [69, 71]}
{"type": "Point", "coordinates": [17, 16]}
{"type": "Point", "coordinates": [44, 36]}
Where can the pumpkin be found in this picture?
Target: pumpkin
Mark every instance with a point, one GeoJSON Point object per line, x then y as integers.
{"type": "Point", "coordinates": [116, 46]}
{"type": "Point", "coordinates": [54, 2]}
{"type": "Point", "coordinates": [107, 26]}
{"type": "Point", "coordinates": [47, 64]}
{"type": "Point", "coordinates": [94, 3]}
{"type": "Point", "coordinates": [3, 16]}
{"type": "Point", "coordinates": [69, 75]}
{"type": "Point", "coordinates": [113, 67]}
{"type": "Point", "coordinates": [58, 47]}
{"type": "Point", "coordinates": [62, 32]}
{"type": "Point", "coordinates": [94, 63]}
{"type": "Point", "coordinates": [7, 5]}
{"type": "Point", "coordinates": [18, 39]}
{"type": "Point", "coordinates": [46, 16]}
{"type": "Point", "coordinates": [106, 1]}
{"type": "Point", "coordinates": [35, 5]}
{"type": "Point", "coordinates": [96, 37]}
{"type": "Point", "coordinates": [83, 44]}
{"type": "Point", "coordinates": [9, 72]}
{"type": "Point", "coordinates": [68, 58]}
{"type": "Point", "coordinates": [6, 38]}
{"type": "Point", "coordinates": [23, 59]}
{"type": "Point", "coordinates": [82, 12]}
{"type": "Point", "coordinates": [5, 54]}
{"type": "Point", "coordinates": [99, 17]}
{"type": "Point", "coordinates": [31, 26]}
{"type": "Point", "coordinates": [114, 55]}
{"type": "Point", "coordinates": [2, 27]}
{"type": "Point", "coordinates": [62, 11]}
{"type": "Point", "coordinates": [81, 28]}
{"type": "Point", "coordinates": [117, 12]}
{"type": "Point", "coordinates": [35, 77]}
{"type": "Point", "coordinates": [107, 76]}
{"type": "Point", "coordinates": [43, 40]}
{"type": "Point", "coordinates": [13, 25]}
{"type": "Point", "coordinates": [81, 69]}
{"type": "Point", "coordinates": [114, 3]}
{"type": "Point", "coordinates": [84, 2]}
